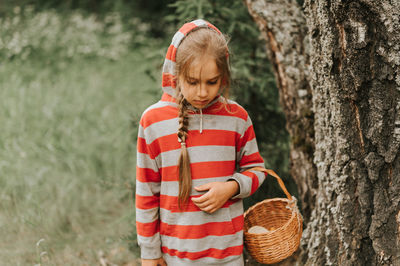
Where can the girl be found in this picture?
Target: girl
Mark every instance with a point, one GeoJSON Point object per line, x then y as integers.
{"type": "Point", "coordinates": [193, 149]}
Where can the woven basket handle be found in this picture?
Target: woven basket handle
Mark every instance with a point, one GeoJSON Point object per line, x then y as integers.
{"type": "Point", "coordinates": [271, 172]}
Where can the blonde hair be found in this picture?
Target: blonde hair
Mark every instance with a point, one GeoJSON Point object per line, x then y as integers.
{"type": "Point", "coordinates": [198, 42]}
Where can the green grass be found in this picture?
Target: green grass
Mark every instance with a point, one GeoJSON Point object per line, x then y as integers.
{"type": "Point", "coordinates": [67, 158]}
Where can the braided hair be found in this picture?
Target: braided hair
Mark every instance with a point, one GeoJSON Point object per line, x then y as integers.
{"type": "Point", "coordinates": [185, 176]}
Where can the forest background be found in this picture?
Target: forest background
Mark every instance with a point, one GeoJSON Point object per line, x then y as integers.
{"type": "Point", "coordinates": [75, 77]}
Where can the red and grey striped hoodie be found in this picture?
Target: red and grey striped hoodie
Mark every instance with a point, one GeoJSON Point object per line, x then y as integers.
{"type": "Point", "coordinates": [221, 146]}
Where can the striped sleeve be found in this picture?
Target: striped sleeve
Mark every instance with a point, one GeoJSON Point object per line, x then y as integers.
{"type": "Point", "coordinates": [147, 200]}
{"type": "Point", "coordinates": [248, 156]}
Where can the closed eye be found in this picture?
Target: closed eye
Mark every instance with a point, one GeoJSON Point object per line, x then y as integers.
{"type": "Point", "coordinates": [195, 82]}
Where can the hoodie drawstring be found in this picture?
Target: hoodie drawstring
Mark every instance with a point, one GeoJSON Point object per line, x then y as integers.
{"type": "Point", "coordinates": [201, 121]}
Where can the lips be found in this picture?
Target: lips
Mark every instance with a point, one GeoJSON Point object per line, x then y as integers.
{"type": "Point", "coordinates": [201, 102]}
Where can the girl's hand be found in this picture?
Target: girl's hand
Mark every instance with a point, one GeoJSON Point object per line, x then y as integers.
{"type": "Point", "coordinates": [218, 193]}
{"type": "Point", "coordinates": [156, 262]}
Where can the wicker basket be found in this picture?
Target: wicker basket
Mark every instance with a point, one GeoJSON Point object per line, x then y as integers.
{"type": "Point", "coordinates": [283, 220]}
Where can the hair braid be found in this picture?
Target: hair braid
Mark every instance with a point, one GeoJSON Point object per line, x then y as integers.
{"type": "Point", "coordinates": [183, 119]}
{"type": "Point", "coordinates": [185, 177]}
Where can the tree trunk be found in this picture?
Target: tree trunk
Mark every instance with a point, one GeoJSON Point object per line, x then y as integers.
{"type": "Point", "coordinates": [341, 96]}
{"type": "Point", "coordinates": [287, 49]}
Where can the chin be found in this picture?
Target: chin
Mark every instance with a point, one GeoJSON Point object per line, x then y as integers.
{"type": "Point", "coordinates": [199, 105]}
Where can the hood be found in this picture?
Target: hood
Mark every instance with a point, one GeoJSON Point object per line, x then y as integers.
{"type": "Point", "coordinates": [168, 71]}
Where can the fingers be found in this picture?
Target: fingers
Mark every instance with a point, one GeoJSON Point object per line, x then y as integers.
{"type": "Point", "coordinates": [208, 209]}
{"type": "Point", "coordinates": [203, 202]}
{"type": "Point", "coordinates": [200, 200]}
{"type": "Point", "coordinates": [207, 206]}
{"type": "Point", "coordinates": [202, 205]}
{"type": "Point", "coordinates": [213, 199]}
{"type": "Point", "coordinates": [204, 187]}
{"type": "Point", "coordinates": [203, 198]}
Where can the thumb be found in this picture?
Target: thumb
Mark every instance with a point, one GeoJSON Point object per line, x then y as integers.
{"type": "Point", "coordinates": [203, 187]}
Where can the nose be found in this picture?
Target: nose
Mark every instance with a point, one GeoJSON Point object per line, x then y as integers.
{"type": "Point", "coordinates": [202, 91]}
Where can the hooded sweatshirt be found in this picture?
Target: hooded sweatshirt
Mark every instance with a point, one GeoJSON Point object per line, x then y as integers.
{"type": "Point", "coordinates": [221, 145]}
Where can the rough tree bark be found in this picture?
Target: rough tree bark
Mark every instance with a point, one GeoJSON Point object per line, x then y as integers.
{"type": "Point", "coordinates": [337, 66]}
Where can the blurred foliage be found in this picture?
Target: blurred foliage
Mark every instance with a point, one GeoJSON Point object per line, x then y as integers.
{"type": "Point", "coordinates": [90, 6]}
{"type": "Point", "coordinates": [72, 90]}
{"type": "Point", "coordinates": [253, 85]}
{"type": "Point", "coordinates": [26, 32]}
{"type": "Point", "coordinates": [67, 157]}
{"type": "Point", "coordinates": [150, 12]}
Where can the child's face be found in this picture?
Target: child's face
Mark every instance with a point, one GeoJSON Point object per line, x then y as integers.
{"type": "Point", "coordinates": [203, 82]}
